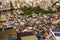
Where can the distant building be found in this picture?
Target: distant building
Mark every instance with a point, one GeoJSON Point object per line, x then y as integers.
{"type": "Point", "coordinates": [5, 4]}
{"type": "Point", "coordinates": [44, 4]}
{"type": "Point", "coordinates": [59, 2]}
{"type": "Point", "coordinates": [53, 1]}
{"type": "Point", "coordinates": [15, 3]}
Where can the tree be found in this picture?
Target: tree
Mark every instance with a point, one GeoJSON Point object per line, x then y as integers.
{"type": "Point", "coordinates": [50, 11]}
{"type": "Point", "coordinates": [27, 10]}
{"type": "Point", "coordinates": [0, 3]}
{"type": "Point", "coordinates": [30, 9]}
{"type": "Point", "coordinates": [36, 9]}
{"type": "Point", "coordinates": [58, 9]}
{"type": "Point", "coordinates": [12, 8]}
{"type": "Point", "coordinates": [55, 3]}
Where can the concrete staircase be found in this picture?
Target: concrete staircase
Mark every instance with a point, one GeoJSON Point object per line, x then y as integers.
{"type": "Point", "coordinates": [32, 37]}
{"type": "Point", "coordinates": [4, 35]}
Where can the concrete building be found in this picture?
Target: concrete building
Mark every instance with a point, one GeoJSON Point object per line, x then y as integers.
{"type": "Point", "coordinates": [53, 1]}
{"type": "Point", "coordinates": [59, 2]}
{"type": "Point", "coordinates": [5, 4]}
{"type": "Point", "coordinates": [16, 3]}
{"type": "Point", "coordinates": [19, 3]}
{"type": "Point", "coordinates": [44, 4]}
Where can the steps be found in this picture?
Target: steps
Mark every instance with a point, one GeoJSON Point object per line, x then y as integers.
{"type": "Point", "coordinates": [4, 35]}
{"type": "Point", "coordinates": [32, 37]}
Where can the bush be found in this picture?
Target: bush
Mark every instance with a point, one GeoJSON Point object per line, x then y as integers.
{"type": "Point", "coordinates": [30, 10]}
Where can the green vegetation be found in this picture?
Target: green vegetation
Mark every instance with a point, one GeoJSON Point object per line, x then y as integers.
{"type": "Point", "coordinates": [58, 9]}
{"type": "Point", "coordinates": [11, 9]}
{"type": "Point", "coordinates": [57, 6]}
{"type": "Point", "coordinates": [55, 3]}
{"type": "Point", "coordinates": [0, 3]}
{"type": "Point", "coordinates": [27, 10]}
{"type": "Point", "coordinates": [43, 32]}
{"type": "Point", "coordinates": [30, 10]}
{"type": "Point", "coordinates": [50, 10]}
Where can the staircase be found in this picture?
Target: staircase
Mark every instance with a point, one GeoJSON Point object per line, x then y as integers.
{"type": "Point", "coordinates": [4, 35]}
{"type": "Point", "coordinates": [32, 37]}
